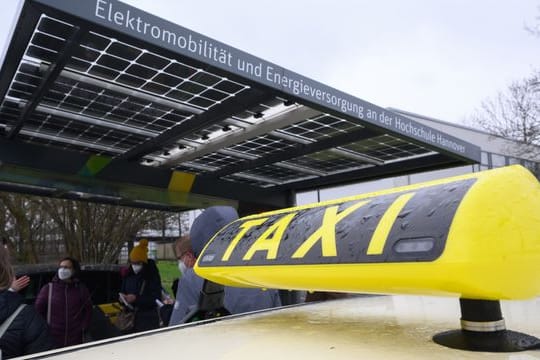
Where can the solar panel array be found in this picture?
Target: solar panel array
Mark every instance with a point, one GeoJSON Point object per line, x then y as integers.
{"type": "Point", "coordinates": [113, 97]}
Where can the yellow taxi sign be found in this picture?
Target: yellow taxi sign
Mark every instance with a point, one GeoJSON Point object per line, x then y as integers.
{"type": "Point", "coordinates": [475, 236]}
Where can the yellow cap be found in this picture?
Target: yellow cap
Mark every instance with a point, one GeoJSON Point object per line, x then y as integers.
{"type": "Point", "coordinates": [140, 252]}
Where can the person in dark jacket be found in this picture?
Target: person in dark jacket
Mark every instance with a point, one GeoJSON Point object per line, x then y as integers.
{"type": "Point", "coordinates": [237, 300]}
{"type": "Point", "coordinates": [66, 304]}
{"type": "Point", "coordinates": [141, 288]}
{"type": "Point", "coordinates": [28, 333]}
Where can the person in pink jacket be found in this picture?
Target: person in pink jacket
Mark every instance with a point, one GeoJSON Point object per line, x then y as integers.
{"type": "Point", "coordinates": [66, 304]}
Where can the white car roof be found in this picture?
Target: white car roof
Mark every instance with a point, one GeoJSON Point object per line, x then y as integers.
{"type": "Point", "coordinates": [361, 327]}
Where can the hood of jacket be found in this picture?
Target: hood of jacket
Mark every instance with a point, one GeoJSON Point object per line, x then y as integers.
{"type": "Point", "coordinates": [208, 224]}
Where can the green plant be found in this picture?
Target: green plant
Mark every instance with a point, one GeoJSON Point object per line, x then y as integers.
{"type": "Point", "coordinates": [168, 270]}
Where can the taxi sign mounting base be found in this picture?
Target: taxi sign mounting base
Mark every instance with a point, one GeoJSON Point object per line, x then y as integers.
{"type": "Point", "coordinates": [483, 330]}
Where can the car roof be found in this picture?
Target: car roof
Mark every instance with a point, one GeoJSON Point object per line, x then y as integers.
{"type": "Point", "coordinates": [372, 327]}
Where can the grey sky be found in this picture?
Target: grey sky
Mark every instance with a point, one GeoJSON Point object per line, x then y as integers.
{"type": "Point", "coordinates": [437, 58]}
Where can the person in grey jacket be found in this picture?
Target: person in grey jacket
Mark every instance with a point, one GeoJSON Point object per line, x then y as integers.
{"type": "Point", "coordinates": [237, 300]}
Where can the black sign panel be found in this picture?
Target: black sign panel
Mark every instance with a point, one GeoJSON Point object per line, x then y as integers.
{"type": "Point", "coordinates": [400, 227]}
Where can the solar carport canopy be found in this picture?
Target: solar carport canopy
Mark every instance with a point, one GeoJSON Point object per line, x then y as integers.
{"type": "Point", "coordinates": [105, 102]}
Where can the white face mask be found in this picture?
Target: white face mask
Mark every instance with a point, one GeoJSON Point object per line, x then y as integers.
{"type": "Point", "coordinates": [64, 274]}
{"type": "Point", "coordinates": [136, 268]}
{"type": "Point", "coordinates": [182, 267]}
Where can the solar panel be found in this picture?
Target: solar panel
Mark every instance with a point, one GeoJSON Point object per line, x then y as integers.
{"type": "Point", "coordinates": [275, 175]}
{"type": "Point", "coordinates": [109, 59]}
{"type": "Point", "coordinates": [263, 145]}
{"type": "Point", "coordinates": [75, 82]}
{"type": "Point", "coordinates": [327, 162]}
{"type": "Point", "coordinates": [387, 148]}
{"type": "Point", "coordinates": [320, 127]}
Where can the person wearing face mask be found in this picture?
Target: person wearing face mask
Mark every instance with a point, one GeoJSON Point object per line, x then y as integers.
{"type": "Point", "coordinates": [236, 300]}
{"type": "Point", "coordinates": [141, 287]}
{"type": "Point", "coordinates": [186, 260]}
{"type": "Point", "coordinates": [184, 255]}
{"type": "Point", "coordinates": [66, 304]}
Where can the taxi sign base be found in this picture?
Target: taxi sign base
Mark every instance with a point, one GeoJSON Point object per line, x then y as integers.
{"type": "Point", "coordinates": [496, 341]}
{"type": "Point", "coordinates": [482, 330]}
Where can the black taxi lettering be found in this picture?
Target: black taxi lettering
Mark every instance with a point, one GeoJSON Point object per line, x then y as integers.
{"type": "Point", "coordinates": [378, 240]}
{"type": "Point", "coordinates": [244, 228]}
{"type": "Point", "coordinates": [270, 239]}
{"type": "Point", "coordinates": [326, 233]}
{"type": "Point", "coordinates": [395, 227]}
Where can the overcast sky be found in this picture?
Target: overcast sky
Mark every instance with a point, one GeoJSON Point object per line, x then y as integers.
{"type": "Point", "coordinates": [437, 58]}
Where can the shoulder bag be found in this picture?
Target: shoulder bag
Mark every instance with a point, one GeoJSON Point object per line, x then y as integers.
{"type": "Point", "coordinates": [125, 320]}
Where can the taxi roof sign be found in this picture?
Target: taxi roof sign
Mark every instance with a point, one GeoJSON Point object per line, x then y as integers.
{"type": "Point", "coordinates": [474, 236]}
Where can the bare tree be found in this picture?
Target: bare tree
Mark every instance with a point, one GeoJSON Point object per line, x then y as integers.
{"type": "Point", "coordinates": [514, 114]}
{"type": "Point", "coordinates": [42, 229]}
{"type": "Point", "coordinates": [96, 233]}
{"type": "Point", "coordinates": [171, 224]}
{"type": "Point", "coordinates": [23, 223]}
{"type": "Point", "coordinates": [535, 28]}
{"type": "Point", "coordinates": [183, 222]}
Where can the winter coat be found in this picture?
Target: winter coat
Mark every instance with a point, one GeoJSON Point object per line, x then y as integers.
{"type": "Point", "coordinates": [71, 310]}
{"type": "Point", "coordinates": [237, 300]}
{"type": "Point", "coordinates": [27, 334]}
{"type": "Point", "coordinates": [146, 317]}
